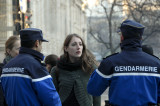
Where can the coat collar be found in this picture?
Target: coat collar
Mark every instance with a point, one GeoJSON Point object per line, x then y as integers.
{"type": "Point", "coordinates": [131, 45]}
{"type": "Point", "coordinates": [32, 52]}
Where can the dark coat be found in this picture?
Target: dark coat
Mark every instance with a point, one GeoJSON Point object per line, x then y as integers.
{"type": "Point", "coordinates": [66, 80]}
{"type": "Point", "coordinates": [2, 100]}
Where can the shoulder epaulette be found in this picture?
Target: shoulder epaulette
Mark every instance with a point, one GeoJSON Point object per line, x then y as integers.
{"type": "Point", "coordinates": [111, 55]}
{"type": "Point", "coordinates": [154, 56]}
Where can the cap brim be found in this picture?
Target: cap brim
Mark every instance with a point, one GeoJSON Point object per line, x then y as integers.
{"type": "Point", "coordinates": [43, 40]}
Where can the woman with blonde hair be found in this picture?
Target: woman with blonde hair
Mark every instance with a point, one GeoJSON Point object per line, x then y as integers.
{"type": "Point", "coordinates": [12, 46]}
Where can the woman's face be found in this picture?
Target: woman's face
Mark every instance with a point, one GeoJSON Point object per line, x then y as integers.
{"type": "Point", "coordinates": [15, 50]}
{"type": "Point", "coordinates": [74, 48]}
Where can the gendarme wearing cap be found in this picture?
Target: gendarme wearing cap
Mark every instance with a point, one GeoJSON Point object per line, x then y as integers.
{"type": "Point", "coordinates": [131, 29]}
{"type": "Point", "coordinates": [30, 34]}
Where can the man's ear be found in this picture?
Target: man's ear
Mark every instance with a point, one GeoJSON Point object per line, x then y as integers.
{"type": "Point", "coordinates": [36, 43]}
{"type": "Point", "coordinates": [8, 51]}
{"type": "Point", "coordinates": [122, 38]}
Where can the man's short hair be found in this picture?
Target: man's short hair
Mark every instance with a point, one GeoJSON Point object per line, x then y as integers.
{"type": "Point", "coordinates": [28, 44]}
{"type": "Point", "coordinates": [51, 59]}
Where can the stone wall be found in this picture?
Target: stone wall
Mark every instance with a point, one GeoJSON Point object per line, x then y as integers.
{"type": "Point", "coordinates": [57, 19]}
{"type": "Point", "coordinates": [6, 22]}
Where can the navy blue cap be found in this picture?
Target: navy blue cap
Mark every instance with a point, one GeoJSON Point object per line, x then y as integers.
{"type": "Point", "coordinates": [131, 29]}
{"type": "Point", "coordinates": [29, 34]}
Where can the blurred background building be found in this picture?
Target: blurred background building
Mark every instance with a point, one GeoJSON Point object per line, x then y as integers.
{"type": "Point", "coordinates": [56, 18]}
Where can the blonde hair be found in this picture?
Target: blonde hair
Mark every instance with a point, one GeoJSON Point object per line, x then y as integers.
{"type": "Point", "coordinates": [10, 43]}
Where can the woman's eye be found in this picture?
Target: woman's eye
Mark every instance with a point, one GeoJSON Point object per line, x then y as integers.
{"type": "Point", "coordinates": [80, 44]}
{"type": "Point", "coordinates": [73, 44]}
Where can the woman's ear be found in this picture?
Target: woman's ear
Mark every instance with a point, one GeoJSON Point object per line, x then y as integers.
{"type": "Point", "coordinates": [65, 49]}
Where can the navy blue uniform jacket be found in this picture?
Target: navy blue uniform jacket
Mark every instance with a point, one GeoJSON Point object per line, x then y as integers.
{"type": "Point", "coordinates": [133, 77]}
{"type": "Point", "coordinates": [26, 82]}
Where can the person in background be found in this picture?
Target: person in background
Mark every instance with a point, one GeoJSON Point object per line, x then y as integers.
{"type": "Point", "coordinates": [148, 49]}
{"type": "Point", "coordinates": [12, 47]}
{"type": "Point", "coordinates": [72, 73]}
{"type": "Point", "coordinates": [25, 81]}
{"type": "Point", "coordinates": [133, 76]}
{"type": "Point", "coordinates": [51, 61]}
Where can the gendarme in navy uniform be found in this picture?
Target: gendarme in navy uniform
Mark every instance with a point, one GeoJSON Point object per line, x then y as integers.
{"type": "Point", "coordinates": [133, 76]}
{"type": "Point", "coordinates": [25, 80]}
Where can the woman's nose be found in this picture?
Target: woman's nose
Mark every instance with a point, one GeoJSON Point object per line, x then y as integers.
{"type": "Point", "coordinates": [78, 46]}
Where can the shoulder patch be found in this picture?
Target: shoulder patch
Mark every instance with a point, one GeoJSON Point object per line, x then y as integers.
{"type": "Point", "coordinates": [111, 55]}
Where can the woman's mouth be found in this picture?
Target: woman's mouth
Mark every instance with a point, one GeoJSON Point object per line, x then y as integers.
{"type": "Point", "coordinates": [78, 52]}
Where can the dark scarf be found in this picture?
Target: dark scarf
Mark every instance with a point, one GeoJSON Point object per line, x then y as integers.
{"type": "Point", "coordinates": [63, 63]}
{"type": "Point", "coordinates": [7, 59]}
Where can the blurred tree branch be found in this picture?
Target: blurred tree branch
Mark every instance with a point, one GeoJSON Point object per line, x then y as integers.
{"type": "Point", "coordinates": [146, 12]}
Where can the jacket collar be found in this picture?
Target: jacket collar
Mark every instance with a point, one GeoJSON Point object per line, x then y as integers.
{"type": "Point", "coordinates": [131, 45]}
{"type": "Point", "coordinates": [32, 52]}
